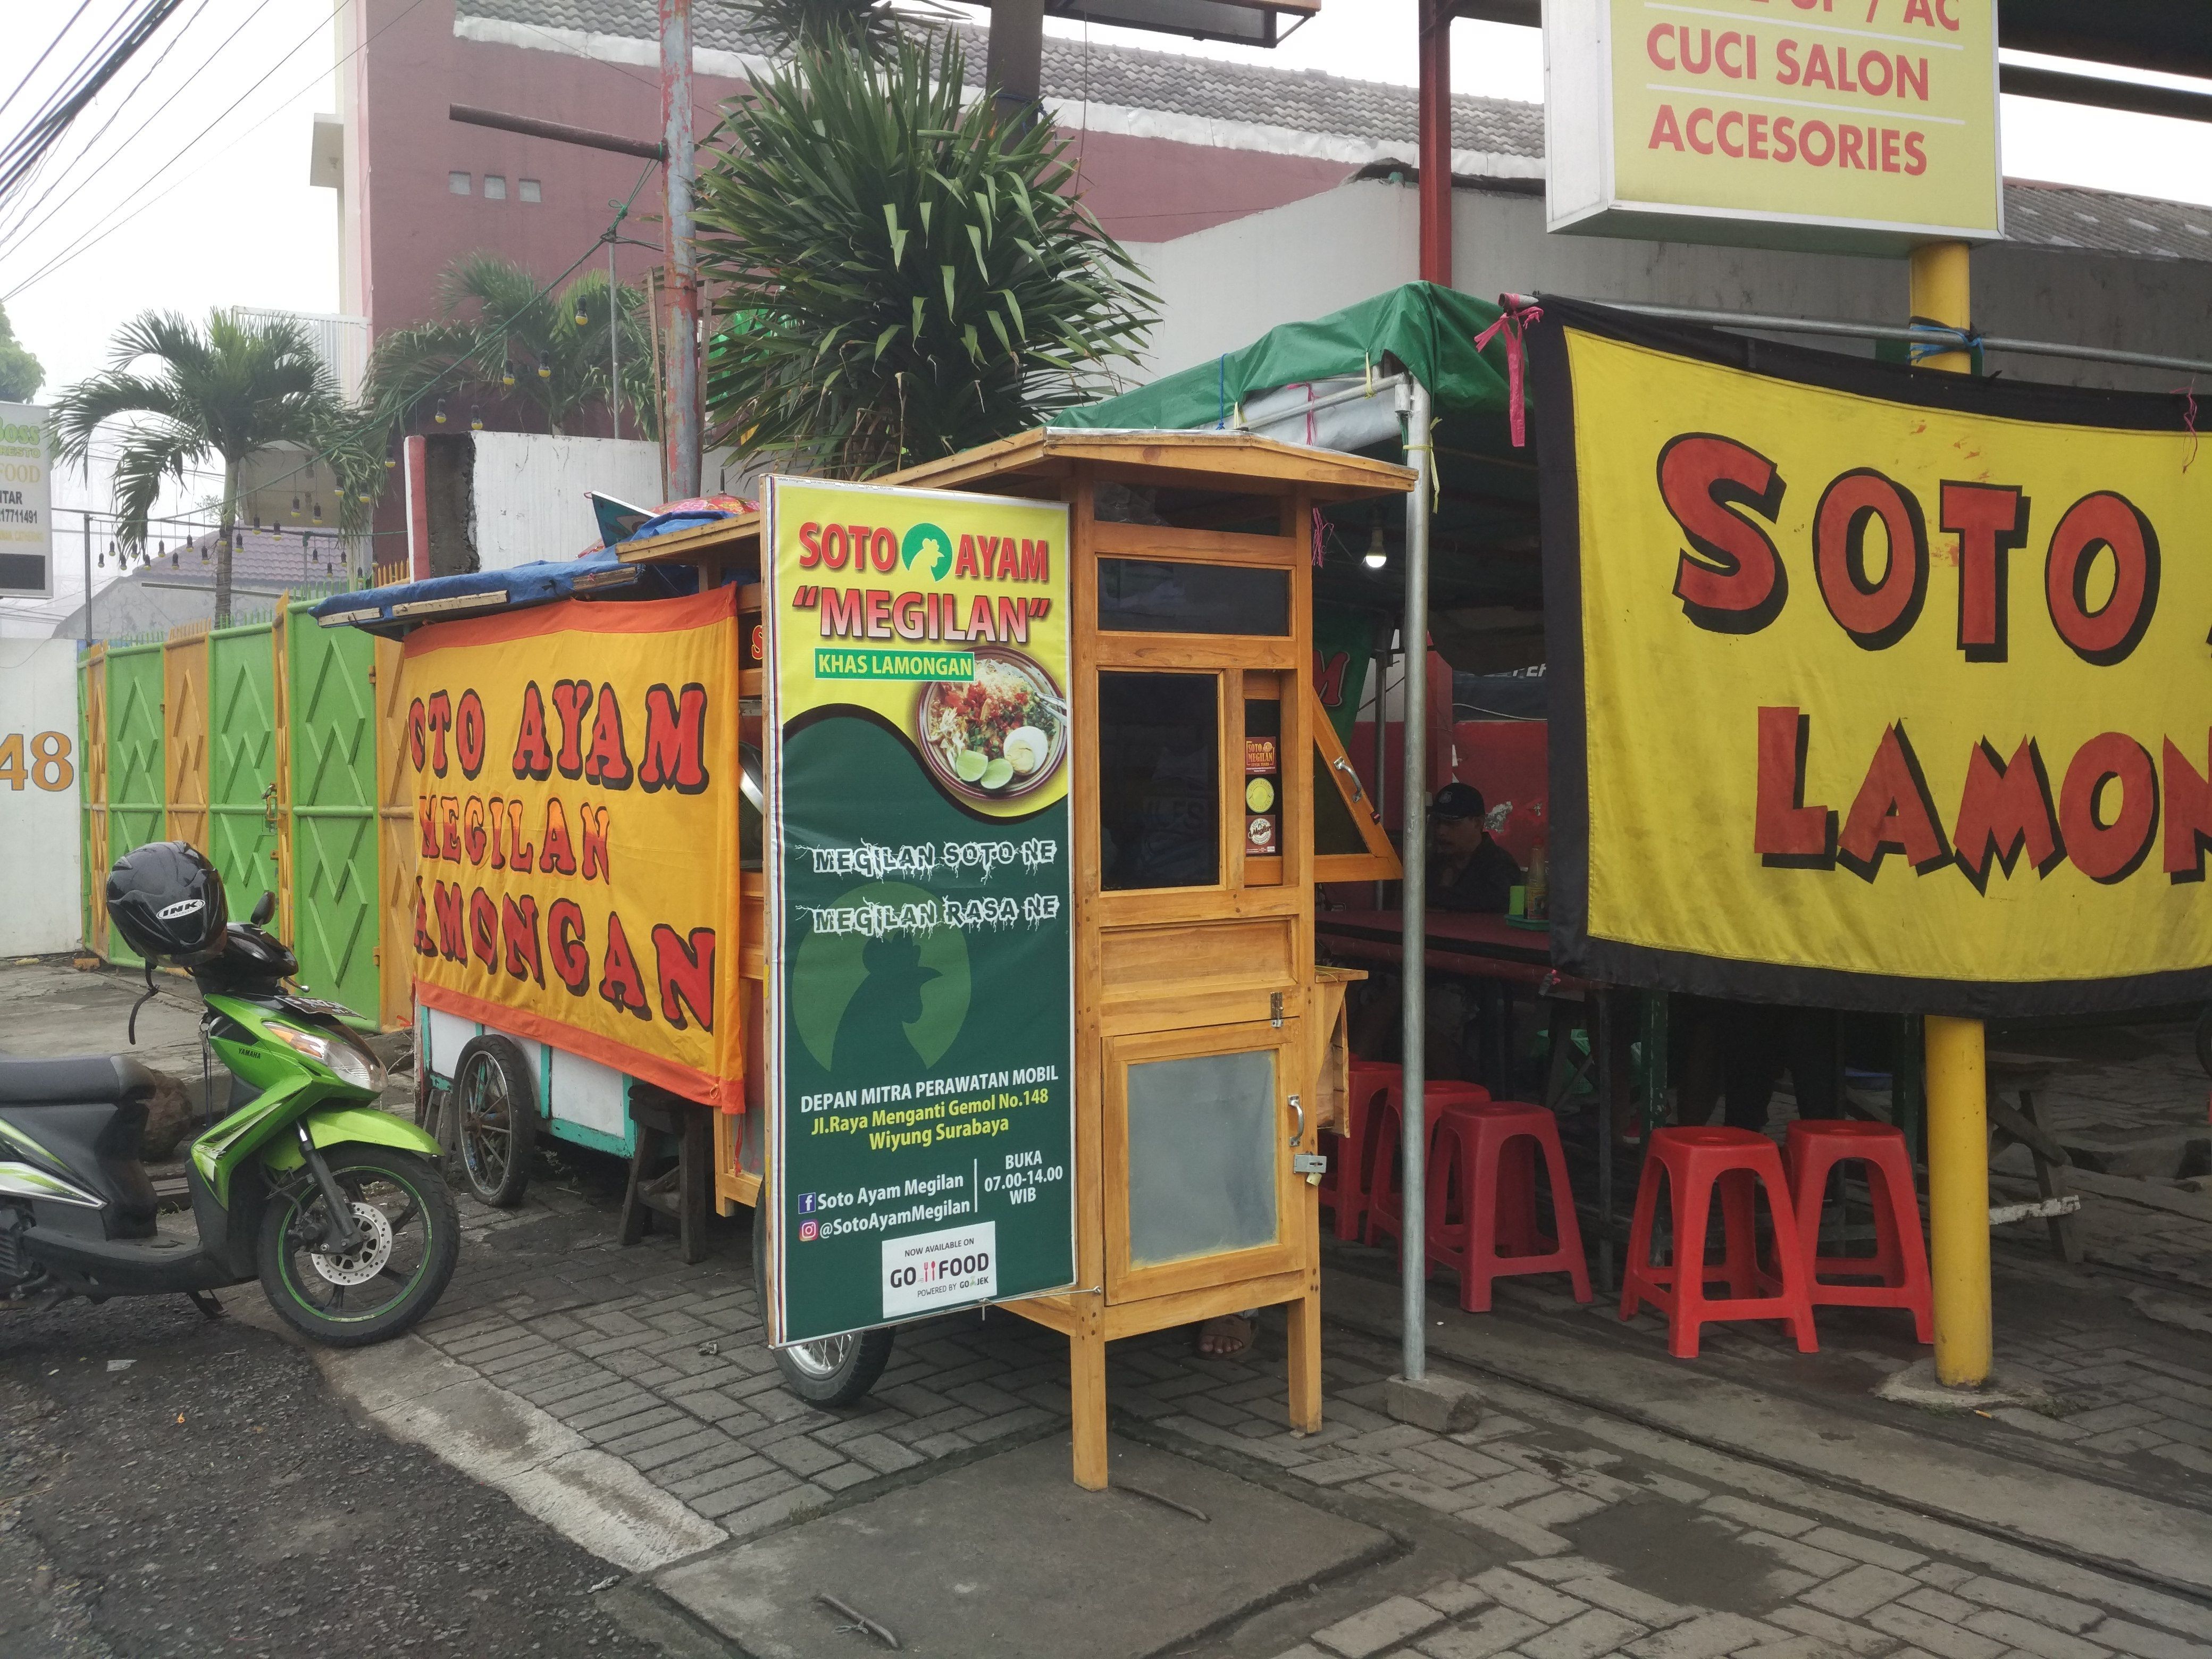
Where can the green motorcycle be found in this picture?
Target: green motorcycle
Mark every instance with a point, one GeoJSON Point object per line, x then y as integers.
{"type": "Point", "coordinates": [340, 1210]}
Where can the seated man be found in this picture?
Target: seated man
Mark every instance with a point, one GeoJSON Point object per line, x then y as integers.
{"type": "Point", "coordinates": [1468, 871]}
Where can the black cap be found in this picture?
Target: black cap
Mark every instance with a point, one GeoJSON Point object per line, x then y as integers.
{"type": "Point", "coordinates": [1458, 800]}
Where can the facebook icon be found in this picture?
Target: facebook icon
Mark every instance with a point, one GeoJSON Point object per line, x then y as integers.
{"type": "Point", "coordinates": [807, 1203]}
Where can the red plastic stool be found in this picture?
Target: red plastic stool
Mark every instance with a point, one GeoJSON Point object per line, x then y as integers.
{"type": "Point", "coordinates": [1693, 1163]}
{"type": "Point", "coordinates": [1344, 1188]}
{"type": "Point", "coordinates": [1899, 1261]}
{"type": "Point", "coordinates": [1484, 1157]}
{"type": "Point", "coordinates": [1382, 1162]}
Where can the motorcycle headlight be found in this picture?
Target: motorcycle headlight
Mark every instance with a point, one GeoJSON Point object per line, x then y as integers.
{"type": "Point", "coordinates": [346, 1062]}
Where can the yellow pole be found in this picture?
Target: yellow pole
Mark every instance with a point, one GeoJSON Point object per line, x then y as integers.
{"type": "Point", "coordinates": [1958, 1200]}
{"type": "Point", "coordinates": [1958, 1096]}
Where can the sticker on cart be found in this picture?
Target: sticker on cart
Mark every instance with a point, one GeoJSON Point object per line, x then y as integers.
{"type": "Point", "coordinates": [924, 1272]}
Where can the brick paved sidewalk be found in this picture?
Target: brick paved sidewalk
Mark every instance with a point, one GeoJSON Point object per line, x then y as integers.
{"type": "Point", "coordinates": [1560, 1547]}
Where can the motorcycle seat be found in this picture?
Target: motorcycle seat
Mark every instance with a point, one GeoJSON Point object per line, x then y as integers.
{"type": "Point", "coordinates": [73, 1080]}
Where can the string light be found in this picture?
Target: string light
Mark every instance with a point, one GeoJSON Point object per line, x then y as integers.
{"type": "Point", "coordinates": [440, 416]}
{"type": "Point", "coordinates": [545, 371]}
{"type": "Point", "coordinates": [1375, 556]}
{"type": "Point", "coordinates": [475, 421]}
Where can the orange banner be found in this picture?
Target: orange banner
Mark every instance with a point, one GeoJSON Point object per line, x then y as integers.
{"type": "Point", "coordinates": [576, 772]}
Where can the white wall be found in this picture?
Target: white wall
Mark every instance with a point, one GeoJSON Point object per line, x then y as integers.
{"type": "Point", "coordinates": [38, 824]}
{"type": "Point", "coordinates": [1223, 288]}
{"type": "Point", "coordinates": [533, 493]}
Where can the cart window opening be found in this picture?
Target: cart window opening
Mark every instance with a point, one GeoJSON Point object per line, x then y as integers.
{"type": "Point", "coordinates": [1159, 790]}
{"type": "Point", "coordinates": [1202, 1134]}
{"type": "Point", "coordinates": [1336, 833]}
{"type": "Point", "coordinates": [1263, 778]}
{"type": "Point", "coordinates": [1188, 509]}
{"type": "Point", "coordinates": [1164, 595]}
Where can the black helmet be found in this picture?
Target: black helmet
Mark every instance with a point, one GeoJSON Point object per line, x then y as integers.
{"type": "Point", "coordinates": [167, 901]}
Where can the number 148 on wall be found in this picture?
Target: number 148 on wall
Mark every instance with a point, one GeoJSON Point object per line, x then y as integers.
{"type": "Point", "coordinates": [44, 762]}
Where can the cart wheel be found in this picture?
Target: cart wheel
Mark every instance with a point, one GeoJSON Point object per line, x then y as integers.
{"type": "Point", "coordinates": [494, 1119]}
{"type": "Point", "coordinates": [834, 1371]}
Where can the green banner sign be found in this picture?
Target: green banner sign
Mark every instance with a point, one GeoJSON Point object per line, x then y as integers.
{"type": "Point", "coordinates": [921, 908]}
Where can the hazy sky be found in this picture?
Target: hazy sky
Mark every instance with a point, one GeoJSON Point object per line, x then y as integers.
{"type": "Point", "coordinates": [185, 184]}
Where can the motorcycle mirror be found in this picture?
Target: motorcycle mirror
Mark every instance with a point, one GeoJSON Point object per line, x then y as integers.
{"type": "Point", "coordinates": [265, 907]}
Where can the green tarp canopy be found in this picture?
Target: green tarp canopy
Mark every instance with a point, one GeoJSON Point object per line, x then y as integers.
{"type": "Point", "coordinates": [1483, 546]}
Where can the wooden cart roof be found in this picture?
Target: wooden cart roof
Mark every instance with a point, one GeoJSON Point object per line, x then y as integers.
{"type": "Point", "coordinates": [1034, 462]}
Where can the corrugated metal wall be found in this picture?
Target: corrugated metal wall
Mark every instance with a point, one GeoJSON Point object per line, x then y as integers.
{"type": "Point", "coordinates": [270, 746]}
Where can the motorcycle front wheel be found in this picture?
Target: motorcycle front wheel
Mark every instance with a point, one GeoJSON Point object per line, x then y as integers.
{"type": "Point", "coordinates": [408, 1238]}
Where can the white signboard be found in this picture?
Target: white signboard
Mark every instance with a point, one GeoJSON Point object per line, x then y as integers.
{"type": "Point", "coordinates": [40, 879]}
{"type": "Point", "coordinates": [26, 541]}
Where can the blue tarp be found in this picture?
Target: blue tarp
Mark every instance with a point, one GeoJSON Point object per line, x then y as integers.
{"type": "Point", "coordinates": [394, 610]}
{"type": "Point", "coordinates": [598, 574]}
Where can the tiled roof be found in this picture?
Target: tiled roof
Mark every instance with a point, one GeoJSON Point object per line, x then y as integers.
{"type": "Point", "coordinates": [264, 558]}
{"type": "Point", "coordinates": [1306, 101]}
{"type": "Point", "coordinates": [2067, 215]}
{"type": "Point", "coordinates": [1377, 112]}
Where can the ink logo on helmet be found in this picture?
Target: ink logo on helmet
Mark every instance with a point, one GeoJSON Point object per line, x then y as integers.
{"type": "Point", "coordinates": [926, 541]}
{"type": "Point", "coordinates": [181, 907]}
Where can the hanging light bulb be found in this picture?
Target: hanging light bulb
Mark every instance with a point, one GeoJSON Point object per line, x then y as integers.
{"type": "Point", "coordinates": [295, 507]}
{"type": "Point", "coordinates": [507, 375]}
{"type": "Point", "coordinates": [203, 553]}
{"type": "Point", "coordinates": [366, 498]}
{"type": "Point", "coordinates": [545, 371]}
{"type": "Point", "coordinates": [161, 547]}
{"type": "Point", "coordinates": [1375, 556]}
{"type": "Point", "coordinates": [173, 561]}
{"type": "Point", "coordinates": [582, 316]}
{"type": "Point", "coordinates": [390, 462]}
{"type": "Point", "coordinates": [440, 416]}
{"type": "Point", "coordinates": [319, 512]}
{"type": "Point", "coordinates": [101, 562]}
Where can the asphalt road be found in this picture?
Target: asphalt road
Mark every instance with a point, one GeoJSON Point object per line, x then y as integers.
{"type": "Point", "coordinates": [174, 1486]}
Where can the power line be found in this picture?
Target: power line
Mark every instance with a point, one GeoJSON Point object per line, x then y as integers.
{"type": "Point", "coordinates": [22, 220]}
{"type": "Point", "coordinates": [23, 152]}
{"type": "Point", "coordinates": [83, 6]}
{"type": "Point", "coordinates": [93, 239]}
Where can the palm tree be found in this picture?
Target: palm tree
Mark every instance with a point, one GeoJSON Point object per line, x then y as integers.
{"type": "Point", "coordinates": [901, 274]}
{"type": "Point", "coordinates": [234, 390]}
{"type": "Point", "coordinates": [506, 341]}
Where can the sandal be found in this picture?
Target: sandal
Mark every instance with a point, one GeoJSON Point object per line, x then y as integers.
{"type": "Point", "coordinates": [1228, 1337]}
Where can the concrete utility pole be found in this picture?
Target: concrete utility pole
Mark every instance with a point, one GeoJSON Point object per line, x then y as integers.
{"type": "Point", "coordinates": [88, 576]}
{"type": "Point", "coordinates": [681, 416]}
{"type": "Point", "coordinates": [1015, 66]}
{"type": "Point", "coordinates": [1958, 1086]}
{"type": "Point", "coordinates": [1436, 139]}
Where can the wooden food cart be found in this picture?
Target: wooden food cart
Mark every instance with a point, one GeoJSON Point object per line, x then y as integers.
{"type": "Point", "coordinates": [1204, 1029]}
{"type": "Point", "coordinates": [1209, 1051]}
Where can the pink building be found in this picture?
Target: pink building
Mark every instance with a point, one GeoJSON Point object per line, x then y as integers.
{"type": "Point", "coordinates": [1170, 144]}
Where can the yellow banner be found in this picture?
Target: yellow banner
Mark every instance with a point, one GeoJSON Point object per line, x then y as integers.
{"type": "Point", "coordinates": [576, 778]}
{"type": "Point", "coordinates": [1872, 689]}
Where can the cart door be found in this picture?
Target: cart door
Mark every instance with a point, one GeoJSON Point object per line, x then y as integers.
{"type": "Point", "coordinates": [1199, 1128]}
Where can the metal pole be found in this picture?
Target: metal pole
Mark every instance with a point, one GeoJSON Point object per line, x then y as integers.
{"type": "Point", "coordinates": [1014, 64]}
{"type": "Point", "coordinates": [1436, 140]}
{"type": "Point", "coordinates": [1414, 1257]}
{"type": "Point", "coordinates": [88, 576]}
{"type": "Point", "coordinates": [614, 344]}
{"type": "Point", "coordinates": [680, 427]}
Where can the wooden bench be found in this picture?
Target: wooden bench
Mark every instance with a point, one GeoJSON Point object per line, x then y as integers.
{"type": "Point", "coordinates": [2026, 1075]}
{"type": "Point", "coordinates": [683, 1191]}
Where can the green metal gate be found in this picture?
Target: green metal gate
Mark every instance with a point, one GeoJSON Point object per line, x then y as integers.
{"type": "Point", "coordinates": [331, 705]}
{"type": "Point", "coordinates": [242, 763]}
{"type": "Point", "coordinates": [137, 784]}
